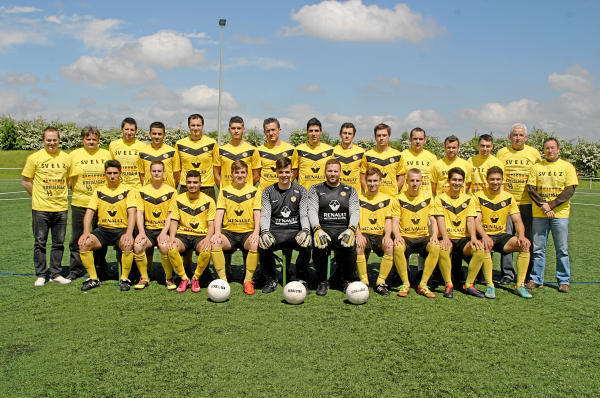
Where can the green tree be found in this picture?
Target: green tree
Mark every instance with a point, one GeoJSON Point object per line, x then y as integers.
{"type": "Point", "coordinates": [586, 158]}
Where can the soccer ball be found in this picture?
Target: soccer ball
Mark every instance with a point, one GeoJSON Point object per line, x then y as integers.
{"type": "Point", "coordinates": [294, 292]}
{"type": "Point", "coordinates": [357, 293]}
{"type": "Point", "coordinates": [219, 290]}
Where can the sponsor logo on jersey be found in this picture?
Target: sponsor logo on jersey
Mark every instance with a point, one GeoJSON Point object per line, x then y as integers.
{"type": "Point", "coordinates": [156, 213]}
{"type": "Point", "coordinates": [334, 205]}
{"type": "Point", "coordinates": [293, 199]}
{"type": "Point", "coordinates": [315, 169]}
{"type": "Point", "coordinates": [239, 212]}
{"type": "Point", "coordinates": [415, 220]}
{"type": "Point", "coordinates": [286, 211]}
{"type": "Point", "coordinates": [343, 193]}
{"type": "Point", "coordinates": [346, 172]}
{"type": "Point", "coordinates": [112, 213]}
{"type": "Point", "coordinates": [196, 165]}
{"type": "Point", "coordinates": [373, 220]}
{"type": "Point", "coordinates": [456, 223]}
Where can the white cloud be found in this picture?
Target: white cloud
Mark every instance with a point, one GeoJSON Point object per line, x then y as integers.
{"type": "Point", "coordinates": [166, 49]}
{"type": "Point", "coordinates": [251, 40]}
{"type": "Point", "coordinates": [19, 10]}
{"type": "Point", "coordinates": [87, 102]}
{"type": "Point", "coordinates": [11, 37]}
{"type": "Point", "coordinates": [101, 71]}
{"type": "Point", "coordinates": [496, 114]}
{"type": "Point", "coordinates": [18, 79]}
{"type": "Point", "coordinates": [312, 88]}
{"type": "Point", "coordinates": [99, 33]}
{"type": "Point", "coordinates": [426, 118]}
{"type": "Point", "coordinates": [354, 21]}
{"type": "Point", "coordinates": [201, 35]}
{"type": "Point", "coordinates": [575, 79]}
{"type": "Point", "coordinates": [16, 105]}
{"type": "Point", "coordinates": [156, 92]}
{"type": "Point", "coordinates": [260, 62]}
{"type": "Point", "coordinates": [203, 97]}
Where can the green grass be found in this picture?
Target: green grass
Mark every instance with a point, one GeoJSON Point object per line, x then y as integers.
{"type": "Point", "coordinates": [58, 341]}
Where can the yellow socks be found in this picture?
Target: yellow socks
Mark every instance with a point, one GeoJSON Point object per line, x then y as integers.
{"type": "Point", "coordinates": [166, 264]}
{"type": "Point", "coordinates": [522, 264]}
{"type": "Point", "coordinates": [401, 265]}
{"type": "Point", "coordinates": [361, 268]}
{"type": "Point", "coordinates": [142, 263]}
{"type": "Point", "coordinates": [219, 262]}
{"type": "Point", "coordinates": [87, 258]}
{"type": "Point", "coordinates": [430, 263]}
{"type": "Point", "coordinates": [251, 264]}
{"type": "Point", "coordinates": [384, 269]}
{"type": "Point", "coordinates": [446, 266]}
{"type": "Point", "coordinates": [488, 269]}
{"type": "Point", "coordinates": [126, 263]}
{"type": "Point", "coordinates": [203, 259]}
{"type": "Point", "coordinates": [474, 266]}
{"type": "Point", "coordinates": [177, 263]}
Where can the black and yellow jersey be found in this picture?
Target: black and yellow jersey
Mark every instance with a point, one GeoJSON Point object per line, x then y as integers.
{"type": "Point", "coordinates": [390, 163]}
{"type": "Point", "coordinates": [311, 163]}
{"type": "Point", "coordinates": [229, 154]}
{"type": "Point", "coordinates": [155, 204]}
{"type": "Point", "coordinates": [455, 212]}
{"type": "Point", "coordinates": [439, 173]}
{"type": "Point", "coordinates": [479, 167]}
{"type": "Point", "coordinates": [413, 213]}
{"type": "Point", "coordinates": [495, 210]}
{"type": "Point", "coordinates": [268, 156]}
{"type": "Point", "coordinates": [423, 161]}
{"type": "Point", "coordinates": [111, 204]}
{"type": "Point", "coordinates": [198, 155]}
{"type": "Point", "coordinates": [350, 159]}
{"type": "Point", "coordinates": [49, 174]}
{"type": "Point", "coordinates": [192, 215]}
{"type": "Point", "coordinates": [517, 165]}
{"type": "Point", "coordinates": [239, 206]}
{"type": "Point", "coordinates": [374, 211]}
{"type": "Point", "coordinates": [165, 154]}
{"type": "Point", "coordinates": [87, 173]}
{"type": "Point", "coordinates": [128, 154]}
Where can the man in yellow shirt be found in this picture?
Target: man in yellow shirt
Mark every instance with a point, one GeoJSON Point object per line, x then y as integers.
{"type": "Point", "coordinates": [45, 178]}
{"type": "Point", "coordinates": [87, 174]}
{"type": "Point", "coordinates": [518, 159]}
{"type": "Point", "coordinates": [158, 150]}
{"type": "Point", "coordinates": [417, 157]}
{"type": "Point", "coordinates": [197, 152]}
{"type": "Point", "coordinates": [480, 163]}
{"type": "Point", "coordinates": [237, 149]}
{"type": "Point", "coordinates": [272, 150]}
{"type": "Point", "coordinates": [312, 156]}
{"type": "Point", "coordinates": [551, 185]}
{"type": "Point", "coordinates": [387, 159]}
{"type": "Point", "coordinates": [439, 172]}
{"type": "Point", "coordinates": [126, 151]}
{"type": "Point", "coordinates": [350, 156]}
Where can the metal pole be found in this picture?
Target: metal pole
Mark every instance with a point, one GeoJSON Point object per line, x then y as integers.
{"type": "Point", "coordinates": [222, 23]}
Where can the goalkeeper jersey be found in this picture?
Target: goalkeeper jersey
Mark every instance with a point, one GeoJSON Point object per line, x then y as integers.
{"type": "Point", "coordinates": [284, 209]}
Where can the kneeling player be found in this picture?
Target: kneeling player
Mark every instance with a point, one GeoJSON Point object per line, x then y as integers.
{"type": "Point", "coordinates": [237, 220]}
{"type": "Point", "coordinates": [415, 231]}
{"type": "Point", "coordinates": [333, 212]}
{"type": "Point", "coordinates": [115, 204]}
{"type": "Point", "coordinates": [494, 206]}
{"type": "Point", "coordinates": [375, 231]}
{"type": "Point", "coordinates": [284, 224]}
{"type": "Point", "coordinates": [192, 225]}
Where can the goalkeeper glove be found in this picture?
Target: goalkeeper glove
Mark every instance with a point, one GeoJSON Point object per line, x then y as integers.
{"type": "Point", "coordinates": [303, 238]}
{"type": "Point", "coordinates": [320, 237]}
{"type": "Point", "coordinates": [348, 237]}
{"type": "Point", "coordinates": [266, 240]}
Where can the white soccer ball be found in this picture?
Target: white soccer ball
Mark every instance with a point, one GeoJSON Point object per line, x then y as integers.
{"type": "Point", "coordinates": [219, 290]}
{"type": "Point", "coordinates": [357, 293]}
{"type": "Point", "coordinates": [294, 292]}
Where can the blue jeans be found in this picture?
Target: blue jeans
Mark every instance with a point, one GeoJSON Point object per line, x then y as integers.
{"type": "Point", "coordinates": [560, 235]}
{"type": "Point", "coordinates": [44, 222]}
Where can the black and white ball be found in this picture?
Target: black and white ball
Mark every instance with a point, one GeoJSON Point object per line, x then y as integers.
{"type": "Point", "coordinates": [357, 293]}
{"type": "Point", "coordinates": [294, 292]}
{"type": "Point", "coordinates": [219, 290]}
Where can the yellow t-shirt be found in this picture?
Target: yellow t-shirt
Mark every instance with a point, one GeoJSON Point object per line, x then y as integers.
{"type": "Point", "coordinates": [550, 179]}
{"type": "Point", "coordinates": [49, 173]}
{"type": "Point", "coordinates": [193, 215]}
{"type": "Point", "coordinates": [239, 206]}
{"type": "Point", "coordinates": [229, 154]}
{"type": "Point", "coordinates": [87, 174]}
{"type": "Point", "coordinates": [155, 204]}
{"type": "Point", "coordinates": [165, 154]}
{"type": "Point", "coordinates": [390, 163]}
{"type": "Point", "coordinates": [495, 210]}
{"type": "Point", "coordinates": [311, 163]}
{"type": "Point", "coordinates": [111, 204]}
{"type": "Point", "coordinates": [350, 159]}
{"type": "Point", "coordinates": [517, 166]}
{"type": "Point", "coordinates": [198, 155]}
{"type": "Point", "coordinates": [374, 210]}
{"type": "Point", "coordinates": [413, 213]}
{"type": "Point", "coordinates": [127, 155]}
{"type": "Point", "coordinates": [439, 173]}
{"type": "Point", "coordinates": [455, 212]}
{"type": "Point", "coordinates": [423, 161]}
{"type": "Point", "coordinates": [479, 168]}
{"type": "Point", "coordinates": [268, 156]}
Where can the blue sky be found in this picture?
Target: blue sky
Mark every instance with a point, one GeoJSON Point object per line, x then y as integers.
{"type": "Point", "coordinates": [449, 67]}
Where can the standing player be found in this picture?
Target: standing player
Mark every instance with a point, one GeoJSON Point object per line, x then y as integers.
{"type": "Point", "coordinates": [439, 172]}
{"type": "Point", "coordinates": [312, 156]}
{"type": "Point", "coordinates": [518, 159]}
{"type": "Point", "coordinates": [153, 223]}
{"type": "Point", "coordinates": [237, 220]}
{"type": "Point", "coordinates": [158, 150]}
{"type": "Point", "coordinates": [350, 156]}
{"type": "Point", "coordinates": [386, 159]}
{"type": "Point", "coordinates": [480, 163]}
{"type": "Point", "coordinates": [272, 150]}
{"type": "Point", "coordinates": [494, 207]}
{"type": "Point", "coordinates": [192, 226]}
{"type": "Point", "coordinates": [115, 205]}
{"type": "Point", "coordinates": [87, 174]}
{"type": "Point", "coordinates": [45, 177]}
{"type": "Point", "coordinates": [126, 151]}
{"type": "Point", "coordinates": [237, 149]}
{"type": "Point", "coordinates": [284, 225]}
{"type": "Point", "coordinates": [375, 231]}
{"type": "Point", "coordinates": [551, 185]}
{"type": "Point", "coordinates": [197, 152]}
{"type": "Point", "coordinates": [417, 157]}
{"type": "Point", "coordinates": [333, 212]}
{"type": "Point", "coordinates": [415, 231]}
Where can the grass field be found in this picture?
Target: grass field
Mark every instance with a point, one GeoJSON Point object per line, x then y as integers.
{"type": "Point", "coordinates": [58, 341]}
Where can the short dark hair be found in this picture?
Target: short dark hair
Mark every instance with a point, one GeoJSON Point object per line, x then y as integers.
{"type": "Point", "coordinates": [112, 163]}
{"type": "Point", "coordinates": [314, 122]}
{"type": "Point", "coordinates": [157, 162]}
{"type": "Point", "coordinates": [238, 164]}
{"type": "Point", "coordinates": [551, 139]}
{"type": "Point", "coordinates": [282, 162]}
{"type": "Point", "coordinates": [90, 130]}
{"type": "Point", "coordinates": [236, 119]}
{"type": "Point", "coordinates": [158, 125]}
{"type": "Point", "coordinates": [192, 173]}
{"type": "Point", "coordinates": [451, 138]}
{"type": "Point", "coordinates": [270, 120]}
{"type": "Point", "coordinates": [416, 130]}
{"type": "Point", "coordinates": [374, 170]}
{"type": "Point", "coordinates": [494, 170]}
{"type": "Point", "coordinates": [456, 170]}
{"type": "Point", "coordinates": [50, 128]}
{"type": "Point", "coordinates": [382, 126]}
{"type": "Point", "coordinates": [333, 161]}
{"type": "Point", "coordinates": [348, 125]}
{"type": "Point", "coordinates": [195, 116]}
{"type": "Point", "coordinates": [129, 120]}
{"type": "Point", "coordinates": [485, 137]}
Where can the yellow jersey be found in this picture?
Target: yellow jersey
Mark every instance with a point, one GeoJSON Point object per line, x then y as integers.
{"type": "Point", "coordinates": [268, 156]}
{"type": "Point", "coordinates": [198, 155]}
{"type": "Point", "coordinates": [350, 159]}
{"type": "Point", "coordinates": [49, 173]}
{"type": "Point", "coordinates": [192, 215]}
{"type": "Point", "coordinates": [550, 179]}
{"type": "Point", "coordinates": [239, 206]}
{"type": "Point", "coordinates": [165, 154]}
{"type": "Point", "coordinates": [413, 213]}
{"type": "Point", "coordinates": [111, 204]}
{"type": "Point", "coordinates": [479, 167]}
{"type": "Point", "coordinates": [495, 210]}
{"type": "Point", "coordinates": [374, 211]}
{"type": "Point", "coordinates": [423, 161]}
{"type": "Point", "coordinates": [127, 155]}
{"type": "Point", "coordinates": [155, 204]}
{"type": "Point", "coordinates": [311, 163]}
{"type": "Point", "coordinates": [87, 174]}
{"type": "Point", "coordinates": [229, 154]}
{"type": "Point", "coordinates": [455, 212]}
{"type": "Point", "coordinates": [439, 173]}
{"type": "Point", "coordinates": [517, 166]}
{"type": "Point", "coordinates": [390, 163]}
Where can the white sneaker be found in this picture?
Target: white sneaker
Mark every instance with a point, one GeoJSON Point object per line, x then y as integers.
{"type": "Point", "coordinates": [41, 281]}
{"type": "Point", "coordinates": [60, 279]}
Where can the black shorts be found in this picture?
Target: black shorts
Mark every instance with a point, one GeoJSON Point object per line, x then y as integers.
{"type": "Point", "coordinates": [152, 235]}
{"type": "Point", "coordinates": [416, 245]}
{"type": "Point", "coordinates": [374, 244]}
{"type": "Point", "coordinates": [109, 236]}
{"type": "Point", "coordinates": [190, 242]}
{"type": "Point", "coordinates": [236, 239]}
{"type": "Point", "coordinates": [458, 247]}
{"type": "Point", "coordinates": [500, 241]}
{"type": "Point", "coordinates": [284, 236]}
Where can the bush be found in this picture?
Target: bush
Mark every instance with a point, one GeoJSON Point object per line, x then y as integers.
{"type": "Point", "coordinates": [8, 135]}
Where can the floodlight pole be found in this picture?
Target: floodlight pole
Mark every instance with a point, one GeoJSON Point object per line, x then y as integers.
{"type": "Point", "coordinates": [222, 23]}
